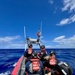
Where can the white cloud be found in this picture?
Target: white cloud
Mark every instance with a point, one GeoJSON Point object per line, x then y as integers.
{"type": "Point", "coordinates": [49, 46]}
{"type": "Point", "coordinates": [50, 1]}
{"type": "Point", "coordinates": [57, 39]}
{"type": "Point", "coordinates": [15, 42]}
{"type": "Point", "coordinates": [15, 45]}
{"type": "Point", "coordinates": [64, 21]}
{"type": "Point", "coordinates": [11, 42]}
{"type": "Point", "coordinates": [8, 38]}
{"type": "Point", "coordinates": [67, 21]}
{"type": "Point", "coordinates": [69, 5]}
{"type": "Point", "coordinates": [73, 18]}
{"type": "Point", "coordinates": [65, 42]}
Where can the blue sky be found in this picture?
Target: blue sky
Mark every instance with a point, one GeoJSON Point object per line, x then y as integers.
{"type": "Point", "coordinates": [57, 16]}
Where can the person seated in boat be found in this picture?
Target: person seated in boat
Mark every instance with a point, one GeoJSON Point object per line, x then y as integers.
{"type": "Point", "coordinates": [51, 66]}
{"type": "Point", "coordinates": [42, 53]}
{"type": "Point", "coordinates": [47, 67]}
{"type": "Point", "coordinates": [34, 66]}
{"type": "Point", "coordinates": [28, 52]}
{"type": "Point", "coordinates": [52, 59]}
{"type": "Point", "coordinates": [54, 67]}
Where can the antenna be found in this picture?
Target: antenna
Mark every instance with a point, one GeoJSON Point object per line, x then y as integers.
{"type": "Point", "coordinates": [25, 38]}
{"type": "Point", "coordinates": [41, 31]}
{"type": "Point", "coordinates": [41, 28]}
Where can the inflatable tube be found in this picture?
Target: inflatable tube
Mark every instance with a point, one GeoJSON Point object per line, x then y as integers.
{"type": "Point", "coordinates": [17, 67]}
{"type": "Point", "coordinates": [65, 68]}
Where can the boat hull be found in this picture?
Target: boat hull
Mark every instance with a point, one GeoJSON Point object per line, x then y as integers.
{"type": "Point", "coordinates": [17, 67]}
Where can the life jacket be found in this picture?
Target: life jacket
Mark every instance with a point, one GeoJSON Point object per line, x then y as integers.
{"type": "Point", "coordinates": [52, 61]}
{"type": "Point", "coordinates": [35, 64]}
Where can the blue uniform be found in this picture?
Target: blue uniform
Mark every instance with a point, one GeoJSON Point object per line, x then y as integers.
{"type": "Point", "coordinates": [29, 68]}
{"type": "Point", "coordinates": [28, 56]}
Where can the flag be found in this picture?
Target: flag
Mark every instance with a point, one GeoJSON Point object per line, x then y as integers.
{"type": "Point", "coordinates": [38, 33]}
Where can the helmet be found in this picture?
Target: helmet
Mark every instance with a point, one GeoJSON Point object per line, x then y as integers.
{"type": "Point", "coordinates": [30, 45]}
{"type": "Point", "coordinates": [34, 54]}
{"type": "Point", "coordinates": [52, 52]}
{"type": "Point", "coordinates": [42, 47]}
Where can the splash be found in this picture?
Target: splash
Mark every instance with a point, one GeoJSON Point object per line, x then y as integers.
{"type": "Point", "coordinates": [6, 73]}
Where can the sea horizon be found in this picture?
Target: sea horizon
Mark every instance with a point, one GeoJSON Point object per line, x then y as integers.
{"type": "Point", "coordinates": [37, 48]}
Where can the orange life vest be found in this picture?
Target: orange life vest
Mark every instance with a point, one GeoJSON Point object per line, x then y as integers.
{"type": "Point", "coordinates": [35, 64]}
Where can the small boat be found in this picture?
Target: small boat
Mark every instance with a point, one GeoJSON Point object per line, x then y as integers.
{"type": "Point", "coordinates": [20, 66]}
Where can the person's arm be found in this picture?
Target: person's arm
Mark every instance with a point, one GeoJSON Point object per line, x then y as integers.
{"type": "Point", "coordinates": [47, 57]}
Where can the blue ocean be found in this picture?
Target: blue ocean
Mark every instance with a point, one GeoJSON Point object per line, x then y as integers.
{"type": "Point", "coordinates": [9, 57]}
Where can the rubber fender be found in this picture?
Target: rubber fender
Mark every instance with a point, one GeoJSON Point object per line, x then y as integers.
{"type": "Point", "coordinates": [66, 69]}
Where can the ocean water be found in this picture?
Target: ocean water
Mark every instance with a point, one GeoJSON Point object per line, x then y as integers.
{"type": "Point", "coordinates": [9, 57]}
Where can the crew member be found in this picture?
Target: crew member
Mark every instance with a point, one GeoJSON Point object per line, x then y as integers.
{"type": "Point", "coordinates": [28, 52]}
{"type": "Point", "coordinates": [51, 64]}
{"type": "Point", "coordinates": [34, 66]}
{"type": "Point", "coordinates": [42, 52]}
